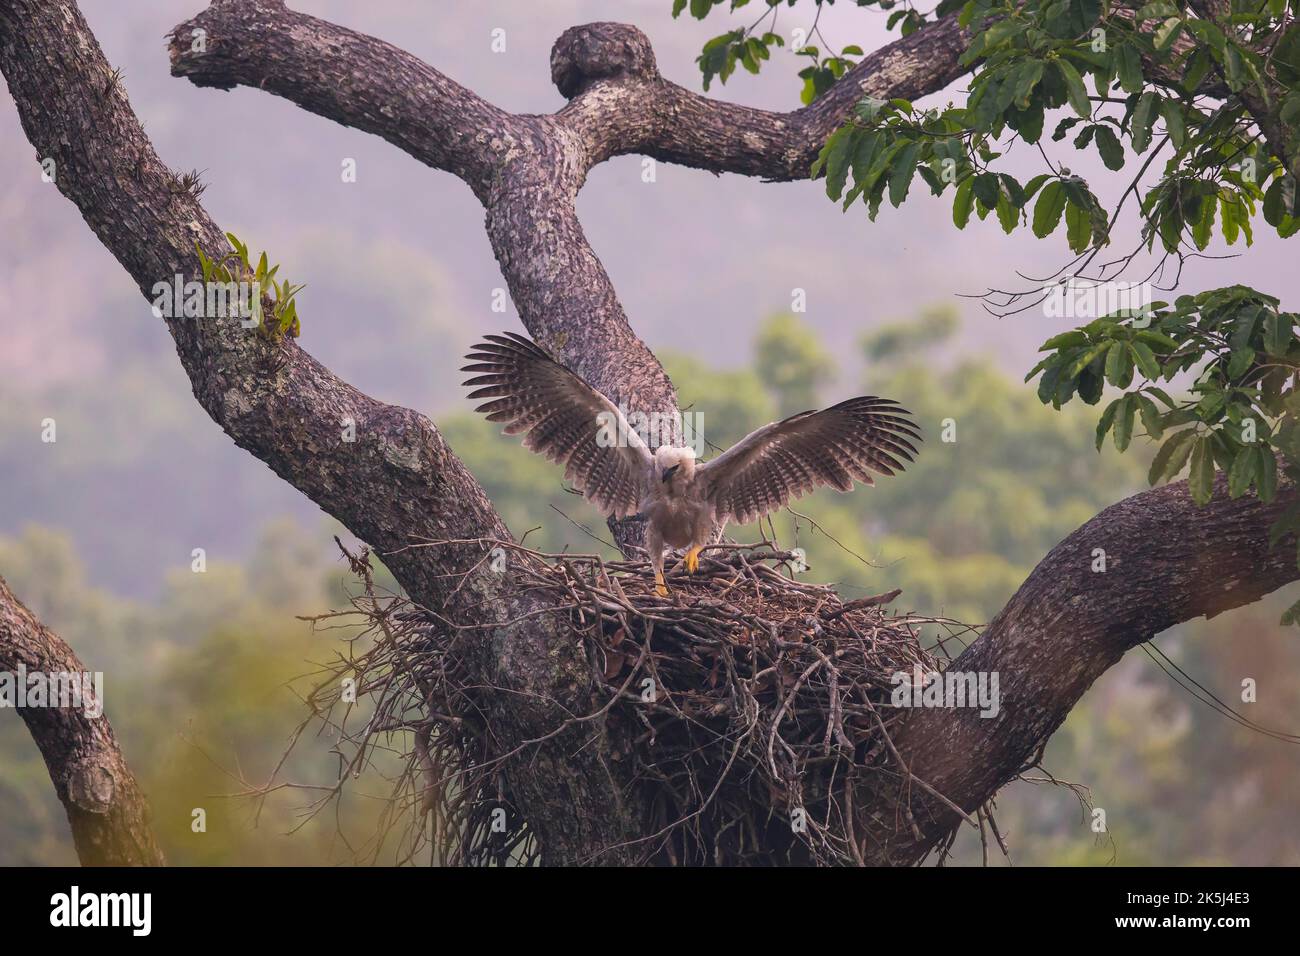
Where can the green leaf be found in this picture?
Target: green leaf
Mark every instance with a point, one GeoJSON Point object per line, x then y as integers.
{"type": "Point", "coordinates": [1234, 68]}
{"type": "Point", "coordinates": [1119, 366]}
{"type": "Point", "coordinates": [1072, 339]}
{"type": "Point", "coordinates": [1240, 360]}
{"type": "Point", "coordinates": [1266, 475]}
{"type": "Point", "coordinates": [1172, 456]}
{"type": "Point", "coordinates": [1156, 10]}
{"type": "Point", "coordinates": [837, 152]}
{"type": "Point", "coordinates": [1124, 416]}
{"type": "Point", "coordinates": [1274, 203]}
{"type": "Point", "coordinates": [1203, 227]}
{"type": "Point", "coordinates": [1078, 227]}
{"type": "Point", "coordinates": [1048, 209]}
{"type": "Point", "coordinates": [1091, 385]}
{"type": "Point", "coordinates": [1285, 525]}
{"type": "Point", "coordinates": [1035, 184]}
{"type": "Point", "coordinates": [1244, 467]}
{"type": "Point", "coordinates": [1290, 111]}
{"type": "Point", "coordinates": [1047, 384]}
{"type": "Point", "coordinates": [1145, 359]}
{"type": "Point", "coordinates": [1074, 88]}
{"type": "Point", "coordinates": [1196, 67]}
{"type": "Point", "coordinates": [987, 189]}
{"type": "Point", "coordinates": [865, 153]}
{"type": "Point", "coordinates": [1211, 403]}
{"type": "Point", "coordinates": [1201, 478]}
{"type": "Point", "coordinates": [1172, 111]}
{"type": "Point", "coordinates": [1286, 57]}
{"type": "Point", "coordinates": [1277, 332]}
{"type": "Point", "coordinates": [963, 202]}
{"type": "Point", "coordinates": [1290, 615]}
{"type": "Point", "coordinates": [1161, 394]}
{"type": "Point", "coordinates": [1108, 144]}
{"type": "Point", "coordinates": [1107, 419]}
{"type": "Point", "coordinates": [1168, 32]}
{"type": "Point", "coordinates": [900, 173]}
{"type": "Point", "coordinates": [1150, 416]}
{"type": "Point", "coordinates": [1091, 356]}
{"type": "Point", "coordinates": [1144, 115]}
{"type": "Point", "coordinates": [1064, 127]}
{"type": "Point", "coordinates": [1129, 63]}
{"type": "Point", "coordinates": [1025, 79]}
{"type": "Point", "coordinates": [1157, 340]}
{"type": "Point", "coordinates": [1015, 193]}
{"type": "Point", "coordinates": [1008, 214]}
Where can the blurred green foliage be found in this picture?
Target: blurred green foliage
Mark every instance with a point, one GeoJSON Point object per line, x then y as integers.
{"type": "Point", "coordinates": [204, 683]}
{"type": "Point", "coordinates": [204, 689]}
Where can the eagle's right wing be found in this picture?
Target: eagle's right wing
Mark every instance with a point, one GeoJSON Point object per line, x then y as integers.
{"type": "Point", "coordinates": [563, 418]}
{"type": "Point", "coordinates": [790, 458]}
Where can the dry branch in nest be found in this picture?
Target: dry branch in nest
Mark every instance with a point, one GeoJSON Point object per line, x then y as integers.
{"type": "Point", "coordinates": [758, 708]}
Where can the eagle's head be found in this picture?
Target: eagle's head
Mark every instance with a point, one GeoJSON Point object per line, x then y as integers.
{"type": "Point", "coordinates": [668, 461]}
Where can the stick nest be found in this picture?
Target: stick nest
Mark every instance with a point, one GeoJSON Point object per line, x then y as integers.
{"type": "Point", "coordinates": [756, 708]}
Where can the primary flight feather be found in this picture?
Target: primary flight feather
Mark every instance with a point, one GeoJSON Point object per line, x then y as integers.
{"type": "Point", "coordinates": [572, 424]}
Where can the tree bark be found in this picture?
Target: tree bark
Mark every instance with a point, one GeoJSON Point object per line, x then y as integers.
{"type": "Point", "coordinates": [400, 488]}
{"type": "Point", "coordinates": [106, 809]}
{"type": "Point", "coordinates": [1166, 561]}
{"type": "Point", "coordinates": [527, 170]}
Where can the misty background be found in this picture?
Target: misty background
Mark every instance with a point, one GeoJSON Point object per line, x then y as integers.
{"type": "Point", "coordinates": [97, 529]}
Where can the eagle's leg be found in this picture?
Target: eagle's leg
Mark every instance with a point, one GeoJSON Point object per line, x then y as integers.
{"type": "Point", "coordinates": [655, 545]}
{"type": "Point", "coordinates": [693, 559]}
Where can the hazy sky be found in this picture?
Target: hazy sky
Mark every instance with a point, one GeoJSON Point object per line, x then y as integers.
{"type": "Point", "coordinates": [400, 275]}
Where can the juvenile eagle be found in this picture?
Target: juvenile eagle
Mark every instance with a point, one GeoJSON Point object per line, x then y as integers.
{"type": "Point", "coordinates": [574, 425]}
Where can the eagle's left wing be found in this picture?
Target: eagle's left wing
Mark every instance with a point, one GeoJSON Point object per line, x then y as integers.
{"type": "Point", "coordinates": [793, 457]}
{"type": "Point", "coordinates": [564, 419]}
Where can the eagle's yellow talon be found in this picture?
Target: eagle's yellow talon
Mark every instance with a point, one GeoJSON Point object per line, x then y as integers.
{"type": "Point", "coordinates": [660, 587]}
{"type": "Point", "coordinates": [693, 560]}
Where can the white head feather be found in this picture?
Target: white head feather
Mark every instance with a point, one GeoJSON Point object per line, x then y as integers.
{"type": "Point", "coordinates": [666, 456]}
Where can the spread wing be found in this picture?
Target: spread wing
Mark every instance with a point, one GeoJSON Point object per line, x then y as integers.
{"type": "Point", "coordinates": [791, 458]}
{"type": "Point", "coordinates": [563, 418]}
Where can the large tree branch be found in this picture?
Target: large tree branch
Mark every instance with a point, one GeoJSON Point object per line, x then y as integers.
{"type": "Point", "coordinates": [527, 170]}
{"type": "Point", "coordinates": [620, 103]}
{"type": "Point", "coordinates": [106, 809]}
{"type": "Point", "coordinates": [398, 482]}
{"type": "Point", "coordinates": [345, 76]}
{"type": "Point", "coordinates": [397, 486]}
{"type": "Point", "coordinates": [1166, 561]}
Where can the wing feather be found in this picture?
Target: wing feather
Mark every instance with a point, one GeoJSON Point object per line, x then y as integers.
{"type": "Point", "coordinates": [561, 417]}
{"type": "Point", "coordinates": [788, 459]}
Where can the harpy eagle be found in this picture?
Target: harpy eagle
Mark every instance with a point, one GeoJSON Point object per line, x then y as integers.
{"type": "Point", "coordinates": [574, 425]}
